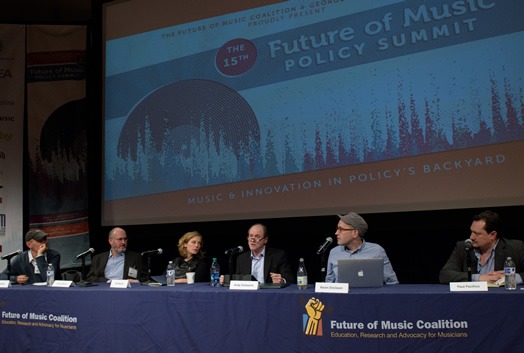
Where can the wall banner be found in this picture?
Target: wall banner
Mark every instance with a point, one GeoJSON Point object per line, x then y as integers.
{"type": "Point", "coordinates": [57, 141]}
{"type": "Point", "coordinates": [12, 70]}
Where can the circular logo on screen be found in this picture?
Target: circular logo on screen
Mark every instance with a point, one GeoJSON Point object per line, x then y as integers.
{"type": "Point", "coordinates": [236, 57]}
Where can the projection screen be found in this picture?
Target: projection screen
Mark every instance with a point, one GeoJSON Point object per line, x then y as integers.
{"type": "Point", "coordinates": [261, 109]}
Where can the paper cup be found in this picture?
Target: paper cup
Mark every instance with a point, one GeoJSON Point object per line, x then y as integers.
{"type": "Point", "coordinates": [190, 277]}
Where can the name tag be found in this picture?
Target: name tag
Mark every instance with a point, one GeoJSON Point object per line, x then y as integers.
{"type": "Point", "coordinates": [244, 285]}
{"type": "Point", "coordinates": [63, 284]}
{"type": "Point", "coordinates": [321, 287]}
{"type": "Point", "coordinates": [133, 272]}
{"type": "Point", "coordinates": [120, 283]}
{"type": "Point", "coordinates": [5, 284]}
{"type": "Point", "coordinates": [468, 286]}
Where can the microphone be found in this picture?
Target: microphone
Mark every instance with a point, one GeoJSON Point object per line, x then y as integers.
{"type": "Point", "coordinates": [14, 253]}
{"type": "Point", "coordinates": [324, 246]}
{"type": "Point", "coordinates": [85, 253]}
{"type": "Point", "coordinates": [233, 251]}
{"type": "Point", "coordinates": [153, 252]}
{"type": "Point", "coordinates": [468, 243]}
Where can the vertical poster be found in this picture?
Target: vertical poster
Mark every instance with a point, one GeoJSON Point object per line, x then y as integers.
{"type": "Point", "coordinates": [12, 51]}
{"type": "Point", "coordinates": [57, 141]}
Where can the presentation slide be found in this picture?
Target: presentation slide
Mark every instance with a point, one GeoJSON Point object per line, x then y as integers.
{"type": "Point", "coordinates": [262, 109]}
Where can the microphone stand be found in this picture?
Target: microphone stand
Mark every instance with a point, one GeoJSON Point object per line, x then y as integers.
{"type": "Point", "coordinates": [468, 262]}
{"type": "Point", "coordinates": [82, 283]}
{"type": "Point", "coordinates": [229, 277]}
{"type": "Point", "coordinates": [323, 265]}
{"type": "Point", "coordinates": [231, 264]}
{"type": "Point", "coordinates": [8, 259]}
{"type": "Point", "coordinates": [9, 271]}
{"type": "Point", "coordinates": [148, 266]}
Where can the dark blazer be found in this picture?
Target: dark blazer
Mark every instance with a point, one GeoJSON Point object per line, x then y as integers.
{"type": "Point", "coordinates": [20, 266]}
{"type": "Point", "coordinates": [199, 266]}
{"type": "Point", "coordinates": [275, 260]}
{"type": "Point", "coordinates": [133, 259]}
{"type": "Point", "coordinates": [456, 269]}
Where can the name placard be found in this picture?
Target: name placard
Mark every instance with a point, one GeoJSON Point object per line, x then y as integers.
{"type": "Point", "coordinates": [120, 283]}
{"type": "Point", "coordinates": [244, 285]}
{"type": "Point", "coordinates": [322, 287]}
{"type": "Point", "coordinates": [5, 284]}
{"type": "Point", "coordinates": [63, 284]}
{"type": "Point", "coordinates": [468, 286]}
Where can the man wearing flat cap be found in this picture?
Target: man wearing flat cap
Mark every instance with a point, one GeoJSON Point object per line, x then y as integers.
{"type": "Point", "coordinates": [31, 266]}
{"type": "Point", "coordinates": [351, 245]}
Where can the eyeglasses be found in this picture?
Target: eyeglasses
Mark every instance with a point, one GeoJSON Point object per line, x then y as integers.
{"type": "Point", "coordinates": [254, 238]}
{"type": "Point", "coordinates": [339, 229]}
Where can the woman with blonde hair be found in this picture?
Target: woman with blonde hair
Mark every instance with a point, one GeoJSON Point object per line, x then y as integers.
{"type": "Point", "coordinates": [191, 258]}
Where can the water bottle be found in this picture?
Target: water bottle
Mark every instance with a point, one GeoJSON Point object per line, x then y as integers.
{"type": "Point", "coordinates": [509, 274]}
{"type": "Point", "coordinates": [301, 275]}
{"type": "Point", "coordinates": [170, 274]}
{"type": "Point", "coordinates": [215, 273]}
{"type": "Point", "coordinates": [50, 275]}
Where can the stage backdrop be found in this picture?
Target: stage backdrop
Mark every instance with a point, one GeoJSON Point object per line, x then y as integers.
{"type": "Point", "coordinates": [57, 120]}
{"type": "Point", "coordinates": [12, 52]}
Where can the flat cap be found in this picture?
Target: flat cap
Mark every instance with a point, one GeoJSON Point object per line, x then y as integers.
{"type": "Point", "coordinates": [357, 222]}
{"type": "Point", "coordinates": [35, 234]}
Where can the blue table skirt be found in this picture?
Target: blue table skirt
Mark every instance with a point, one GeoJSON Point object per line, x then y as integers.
{"type": "Point", "coordinates": [201, 318]}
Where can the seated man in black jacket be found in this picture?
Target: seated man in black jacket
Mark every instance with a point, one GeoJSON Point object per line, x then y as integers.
{"type": "Point", "coordinates": [117, 263]}
{"type": "Point", "coordinates": [267, 265]}
{"type": "Point", "coordinates": [487, 257]}
{"type": "Point", "coordinates": [31, 266]}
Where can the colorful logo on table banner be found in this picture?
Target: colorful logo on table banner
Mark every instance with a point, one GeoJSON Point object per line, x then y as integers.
{"type": "Point", "coordinates": [312, 320]}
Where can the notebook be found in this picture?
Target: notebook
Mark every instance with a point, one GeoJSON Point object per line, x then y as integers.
{"type": "Point", "coordinates": [361, 273]}
{"type": "Point", "coordinates": [160, 279]}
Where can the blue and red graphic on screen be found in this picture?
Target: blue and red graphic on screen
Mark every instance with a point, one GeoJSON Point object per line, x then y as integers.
{"type": "Point", "coordinates": [431, 89]}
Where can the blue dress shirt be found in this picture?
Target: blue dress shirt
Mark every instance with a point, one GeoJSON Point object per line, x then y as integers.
{"type": "Point", "coordinates": [489, 266]}
{"type": "Point", "coordinates": [365, 251]}
{"type": "Point", "coordinates": [257, 266]}
{"type": "Point", "coordinates": [115, 266]}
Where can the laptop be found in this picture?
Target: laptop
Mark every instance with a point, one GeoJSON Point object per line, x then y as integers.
{"type": "Point", "coordinates": [361, 273]}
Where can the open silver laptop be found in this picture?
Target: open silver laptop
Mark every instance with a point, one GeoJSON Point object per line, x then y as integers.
{"type": "Point", "coordinates": [361, 273]}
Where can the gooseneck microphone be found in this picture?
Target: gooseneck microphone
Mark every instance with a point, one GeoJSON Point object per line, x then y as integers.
{"type": "Point", "coordinates": [13, 254]}
{"type": "Point", "coordinates": [85, 253]}
{"type": "Point", "coordinates": [153, 252]}
{"type": "Point", "coordinates": [468, 244]}
{"type": "Point", "coordinates": [324, 246]}
{"type": "Point", "coordinates": [233, 251]}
